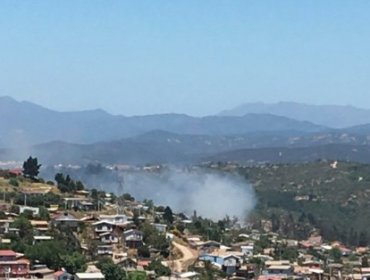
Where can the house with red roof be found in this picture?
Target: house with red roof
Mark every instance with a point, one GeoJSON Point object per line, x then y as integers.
{"type": "Point", "coordinates": [13, 266]}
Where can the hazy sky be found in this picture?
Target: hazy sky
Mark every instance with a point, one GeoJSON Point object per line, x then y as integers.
{"type": "Point", "coordinates": [196, 57]}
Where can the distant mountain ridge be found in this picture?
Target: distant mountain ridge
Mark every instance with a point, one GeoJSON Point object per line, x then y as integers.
{"type": "Point", "coordinates": [167, 147]}
{"type": "Point", "coordinates": [334, 116]}
{"type": "Point", "coordinates": [25, 124]}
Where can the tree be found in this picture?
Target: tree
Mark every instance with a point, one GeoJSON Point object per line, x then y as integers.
{"type": "Point", "coordinates": [110, 270]}
{"type": "Point", "coordinates": [74, 262]}
{"type": "Point", "coordinates": [364, 262]}
{"type": "Point", "coordinates": [336, 255]}
{"type": "Point", "coordinates": [48, 253]}
{"type": "Point", "coordinates": [168, 215]}
{"type": "Point", "coordinates": [159, 268]}
{"type": "Point", "coordinates": [143, 252]}
{"type": "Point", "coordinates": [25, 228]}
{"type": "Point", "coordinates": [44, 213]}
{"type": "Point", "coordinates": [31, 168]}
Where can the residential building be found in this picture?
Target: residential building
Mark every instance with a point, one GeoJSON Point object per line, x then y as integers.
{"type": "Point", "coordinates": [133, 238]}
{"type": "Point", "coordinates": [11, 266]}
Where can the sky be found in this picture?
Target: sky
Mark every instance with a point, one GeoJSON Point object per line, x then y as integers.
{"type": "Point", "coordinates": [194, 57]}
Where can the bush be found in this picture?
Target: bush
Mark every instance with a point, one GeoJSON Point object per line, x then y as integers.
{"type": "Point", "coordinates": [13, 182]}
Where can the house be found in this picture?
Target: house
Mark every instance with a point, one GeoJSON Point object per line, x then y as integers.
{"type": "Point", "coordinates": [280, 269]}
{"type": "Point", "coordinates": [115, 219]}
{"type": "Point", "coordinates": [247, 250]}
{"type": "Point", "coordinates": [230, 264]}
{"type": "Point", "coordinates": [105, 250]}
{"type": "Point", "coordinates": [133, 238]}
{"type": "Point", "coordinates": [103, 226]}
{"type": "Point", "coordinates": [89, 276]}
{"type": "Point", "coordinates": [66, 220]}
{"type": "Point", "coordinates": [127, 264]}
{"type": "Point", "coordinates": [40, 227]}
{"type": "Point", "coordinates": [160, 227]}
{"type": "Point", "coordinates": [62, 275]}
{"type": "Point", "coordinates": [11, 266]}
{"type": "Point", "coordinates": [109, 237]}
{"type": "Point", "coordinates": [81, 203]}
{"type": "Point", "coordinates": [35, 210]}
{"type": "Point", "coordinates": [41, 238]}
{"type": "Point", "coordinates": [5, 225]}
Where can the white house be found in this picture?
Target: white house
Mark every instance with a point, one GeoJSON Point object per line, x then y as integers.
{"type": "Point", "coordinates": [160, 227]}
{"type": "Point", "coordinates": [103, 226]}
{"type": "Point", "coordinates": [114, 219]}
{"type": "Point", "coordinates": [108, 237]}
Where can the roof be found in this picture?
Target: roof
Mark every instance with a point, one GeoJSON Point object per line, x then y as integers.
{"type": "Point", "coordinates": [280, 267]}
{"type": "Point", "coordinates": [132, 231]}
{"type": "Point", "coordinates": [87, 275]}
{"type": "Point", "coordinates": [39, 223]}
{"type": "Point", "coordinates": [66, 217]}
{"type": "Point", "coordinates": [103, 222]}
{"type": "Point", "coordinates": [7, 253]}
{"type": "Point", "coordinates": [58, 273]}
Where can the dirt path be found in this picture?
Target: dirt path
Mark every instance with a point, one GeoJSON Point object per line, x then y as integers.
{"type": "Point", "coordinates": [188, 257]}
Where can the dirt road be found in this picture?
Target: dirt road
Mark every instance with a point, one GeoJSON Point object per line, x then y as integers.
{"type": "Point", "coordinates": [188, 257]}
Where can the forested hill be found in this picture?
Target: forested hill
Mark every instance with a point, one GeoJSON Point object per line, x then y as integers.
{"type": "Point", "coordinates": [298, 198]}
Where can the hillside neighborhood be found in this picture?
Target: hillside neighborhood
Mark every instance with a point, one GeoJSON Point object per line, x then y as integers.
{"type": "Point", "coordinates": [62, 230]}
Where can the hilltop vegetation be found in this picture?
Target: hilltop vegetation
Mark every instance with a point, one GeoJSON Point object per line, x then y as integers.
{"type": "Point", "coordinates": [297, 199]}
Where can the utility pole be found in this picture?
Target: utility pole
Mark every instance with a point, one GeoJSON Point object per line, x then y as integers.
{"type": "Point", "coordinates": [120, 199]}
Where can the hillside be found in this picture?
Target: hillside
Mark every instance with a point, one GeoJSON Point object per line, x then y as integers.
{"type": "Point", "coordinates": [167, 147]}
{"type": "Point", "coordinates": [343, 152]}
{"type": "Point", "coordinates": [298, 198]}
{"type": "Point", "coordinates": [327, 115]}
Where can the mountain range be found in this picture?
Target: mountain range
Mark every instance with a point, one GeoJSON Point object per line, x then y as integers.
{"type": "Point", "coordinates": [97, 136]}
{"type": "Point", "coordinates": [326, 115]}
{"type": "Point", "coordinates": [24, 124]}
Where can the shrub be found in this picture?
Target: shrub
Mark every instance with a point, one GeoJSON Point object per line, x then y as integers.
{"type": "Point", "coordinates": [13, 182]}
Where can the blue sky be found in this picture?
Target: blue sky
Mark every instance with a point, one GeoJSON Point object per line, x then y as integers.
{"type": "Point", "coordinates": [194, 57]}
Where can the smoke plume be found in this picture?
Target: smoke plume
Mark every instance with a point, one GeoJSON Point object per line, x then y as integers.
{"type": "Point", "coordinates": [212, 195]}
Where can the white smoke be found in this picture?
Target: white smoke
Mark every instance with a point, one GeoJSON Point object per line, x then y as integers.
{"type": "Point", "coordinates": [212, 195]}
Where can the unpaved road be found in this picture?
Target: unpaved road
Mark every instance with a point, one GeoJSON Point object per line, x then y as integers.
{"type": "Point", "coordinates": [188, 257]}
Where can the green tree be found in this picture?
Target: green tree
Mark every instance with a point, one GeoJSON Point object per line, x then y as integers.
{"type": "Point", "coordinates": [159, 268]}
{"type": "Point", "coordinates": [143, 252]}
{"type": "Point", "coordinates": [364, 261]}
{"type": "Point", "coordinates": [48, 253]}
{"type": "Point", "coordinates": [110, 270]}
{"type": "Point", "coordinates": [137, 275]}
{"type": "Point", "coordinates": [44, 213]}
{"type": "Point", "coordinates": [13, 182]}
{"type": "Point", "coordinates": [168, 215]}
{"type": "Point", "coordinates": [74, 262]}
{"type": "Point", "coordinates": [25, 228]}
{"type": "Point", "coordinates": [336, 255]}
{"type": "Point", "coordinates": [31, 168]}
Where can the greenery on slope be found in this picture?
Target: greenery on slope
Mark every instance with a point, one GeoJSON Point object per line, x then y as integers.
{"type": "Point", "coordinates": [298, 198]}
